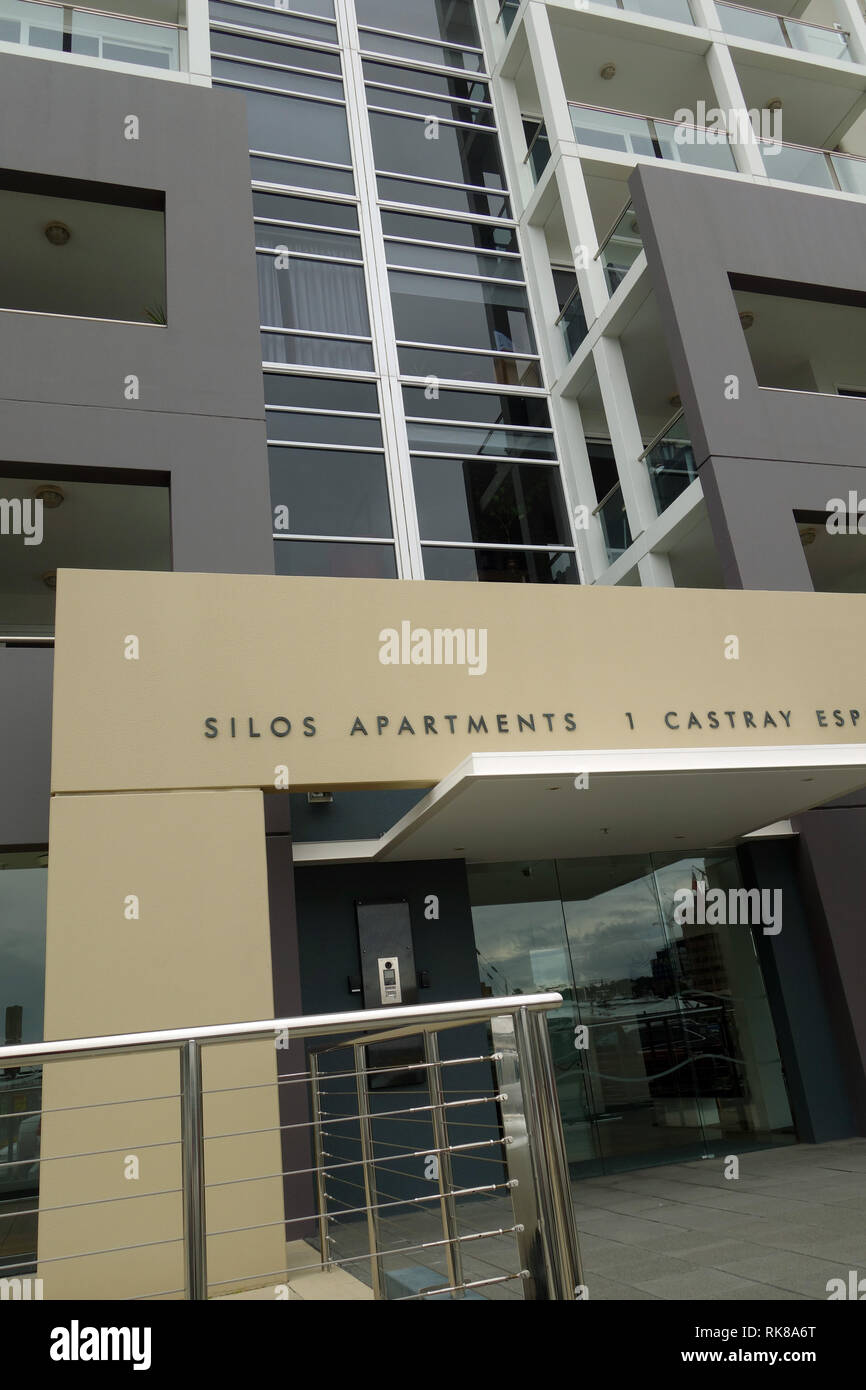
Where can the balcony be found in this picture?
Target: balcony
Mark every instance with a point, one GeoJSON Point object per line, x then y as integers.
{"type": "Point", "coordinates": [762, 26]}
{"type": "Point", "coordinates": [651, 137]}
{"type": "Point", "coordinates": [670, 462]}
{"type": "Point", "coordinates": [815, 168]}
{"type": "Point", "coordinates": [614, 523]}
{"type": "Point", "coordinates": [155, 41]}
{"type": "Point", "coordinates": [620, 248]}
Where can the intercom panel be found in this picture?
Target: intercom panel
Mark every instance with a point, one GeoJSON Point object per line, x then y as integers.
{"type": "Point", "coordinates": [388, 979]}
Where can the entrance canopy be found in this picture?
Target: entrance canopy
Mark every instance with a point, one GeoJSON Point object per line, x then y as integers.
{"type": "Point", "coordinates": [573, 805]}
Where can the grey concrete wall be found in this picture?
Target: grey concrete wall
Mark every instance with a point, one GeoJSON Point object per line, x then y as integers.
{"type": "Point", "coordinates": [200, 412]}
{"type": "Point", "coordinates": [762, 457]}
{"type": "Point", "coordinates": [198, 422]}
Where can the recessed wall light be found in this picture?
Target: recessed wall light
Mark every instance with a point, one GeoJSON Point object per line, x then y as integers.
{"type": "Point", "coordinates": [774, 104]}
{"type": "Point", "coordinates": [808, 535]}
{"type": "Point", "coordinates": [50, 495]}
{"type": "Point", "coordinates": [57, 233]}
{"type": "Point", "coordinates": [607, 72]}
{"type": "Point", "coordinates": [747, 318]}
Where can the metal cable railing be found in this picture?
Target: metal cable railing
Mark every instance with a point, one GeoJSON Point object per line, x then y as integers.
{"type": "Point", "coordinates": [405, 1172]}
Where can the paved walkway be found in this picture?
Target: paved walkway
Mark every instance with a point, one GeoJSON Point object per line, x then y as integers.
{"type": "Point", "coordinates": [794, 1218]}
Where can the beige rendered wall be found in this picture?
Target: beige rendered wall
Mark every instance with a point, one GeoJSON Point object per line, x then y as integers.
{"type": "Point", "coordinates": [198, 953]}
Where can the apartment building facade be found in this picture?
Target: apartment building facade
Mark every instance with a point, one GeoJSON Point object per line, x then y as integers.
{"type": "Point", "coordinates": [528, 313]}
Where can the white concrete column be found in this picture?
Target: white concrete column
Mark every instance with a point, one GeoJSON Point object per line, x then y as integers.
{"type": "Point", "coordinates": [198, 41]}
{"type": "Point", "coordinates": [729, 97]}
{"type": "Point", "coordinates": [578, 485]}
{"type": "Point", "coordinates": [849, 14]}
{"type": "Point", "coordinates": [625, 435]}
{"type": "Point", "coordinates": [654, 569]}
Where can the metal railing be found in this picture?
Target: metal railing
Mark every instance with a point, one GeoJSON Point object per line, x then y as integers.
{"type": "Point", "coordinates": [501, 1207]}
{"type": "Point", "coordinates": [655, 137]}
{"type": "Point", "coordinates": [620, 248]}
{"type": "Point", "coordinates": [670, 460]}
{"type": "Point", "coordinates": [92, 32]}
{"type": "Point", "coordinates": [765, 26]}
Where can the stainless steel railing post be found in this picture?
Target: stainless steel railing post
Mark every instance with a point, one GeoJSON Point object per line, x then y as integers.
{"type": "Point", "coordinates": [550, 1164]}
{"type": "Point", "coordinates": [193, 1183]}
{"type": "Point", "coordinates": [319, 1160]}
{"type": "Point", "coordinates": [447, 1205]}
{"type": "Point", "coordinates": [368, 1169]}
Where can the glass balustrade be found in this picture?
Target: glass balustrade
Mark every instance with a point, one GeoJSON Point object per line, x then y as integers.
{"type": "Point", "coordinates": [89, 33]}
{"type": "Point", "coordinates": [614, 523]}
{"type": "Point", "coordinates": [621, 249]}
{"type": "Point", "coordinates": [670, 460]}
{"type": "Point", "coordinates": [764, 27]}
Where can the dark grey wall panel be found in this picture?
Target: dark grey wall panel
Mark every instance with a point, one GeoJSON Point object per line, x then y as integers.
{"type": "Point", "coordinates": [69, 121]}
{"type": "Point", "coordinates": [25, 744]}
{"type": "Point", "coordinates": [800, 1007]}
{"type": "Point", "coordinates": [698, 228]}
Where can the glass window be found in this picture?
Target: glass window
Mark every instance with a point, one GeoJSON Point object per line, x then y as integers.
{"type": "Point", "coordinates": [457, 262]}
{"type": "Point", "coordinates": [430, 19]}
{"type": "Point", "coordinates": [305, 427]}
{"type": "Point", "coordinates": [441, 84]}
{"type": "Point", "coordinates": [444, 196]}
{"type": "Point", "coordinates": [496, 503]}
{"type": "Point", "coordinates": [313, 242]}
{"type": "Point", "coordinates": [485, 406]}
{"type": "Point", "coordinates": [290, 125]}
{"type": "Point", "coordinates": [465, 313]}
{"type": "Point", "coordinates": [469, 366]}
{"type": "Point", "coordinates": [413, 51]}
{"type": "Point", "coordinates": [500, 566]}
{"type": "Point", "coordinates": [297, 175]}
{"type": "Point", "coordinates": [334, 245]}
{"type": "Point", "coordinates": [339, 559]}
{"type": "Point", "coordinates": [418, 227]}
{"type": "Point", "coordinates": [285, 348]}
{"type": "Point", "coordinates": [426, 106]}
{"type": "Point", "coordinates": [233, 70]}
{"type": "Point", "coordinates": [283, 208]}
{"type": "Point", "coordinates": [278, 20]}
{"type": "Point", "coordinates": [402, 145]}
{"type": "Point", "coordinates": [319, 392]}
{"type": "Point", "coordinates": [285, 54]}
{"type": "Point", "coordinates": [430, 436]}
{"type": "Point", "coordinates": [317, 295]}
{"type": "Point", "coordinates": [331, 493]}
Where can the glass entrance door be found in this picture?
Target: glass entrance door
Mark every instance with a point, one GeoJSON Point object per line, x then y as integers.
{"type": "Point", "coordinates": [664, 1046]}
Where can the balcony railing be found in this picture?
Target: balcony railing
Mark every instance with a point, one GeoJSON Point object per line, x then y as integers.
{"type": "Point", "coordinates": [676, 10]}
{"type": "Point", "coordinates": [90, 33]}
{"type": "Point", "coordinates": [538, 152]}
{"type": "Point", "coordinates": [845, 173]}
{"type": "Point", "coordinates": [651, 137]}
{"type": "Point", "coordinates": [765, 27]}
{"type": "Point", "coordinates": [614, 523]}
{"type": "Point", "coordinates": [572, 322]}
{"type": "Point", "coordinates": [620, 248]}
{"type": "Point", "coordinates": [670, 460]}
{"type": "Point", "coordinates": [480, 1121]}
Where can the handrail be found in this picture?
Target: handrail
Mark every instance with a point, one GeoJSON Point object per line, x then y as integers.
{"type": "Point", "coordinates": [620, 215]}
{"type": "Point", "coordinates": [107, 14]}
{"type": "Point", "coordinates": [773, 14]}
{"type": "Point", "coordinates": [665, 429]}
{"type": "Point", "coordinates": [617, 487]}
{"type": "Point", "coordinates": [450, 1014]}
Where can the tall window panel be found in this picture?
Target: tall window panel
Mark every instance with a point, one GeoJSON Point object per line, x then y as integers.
{"type": "Point", "coordinates": [488, 487]}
